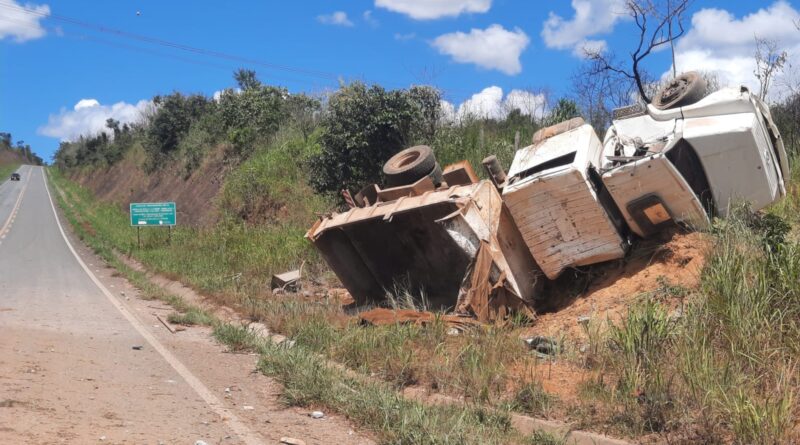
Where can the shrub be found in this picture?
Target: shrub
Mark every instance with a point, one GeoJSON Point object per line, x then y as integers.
{"type": "Point", "coordinates": [364, 126]}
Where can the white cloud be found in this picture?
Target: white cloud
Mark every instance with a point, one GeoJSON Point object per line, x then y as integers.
{"type": "Point", "coordinates": [371, 21]}
{"type": "Point", "coordinates": [19, 25]}
{"type": "Point", "coordinates": [721, 43]}
{"type": "Point", "coordinates": [434, 9]}
{"type": "Point", "coordinates": [490, 103]}
{"type": "Point", "coordinates": [88, 117]}
{"type": "Point", "coordinates": [491, 48]}
{"type": "Point", "coordinates": [338, 18]}
{"type": "Point", "coordinates": [404, 37]}
{"type": "Point", "coordinates": [592, 17]}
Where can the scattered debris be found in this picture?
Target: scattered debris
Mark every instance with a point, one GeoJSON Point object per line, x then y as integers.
{"type": "Point", "coordinates": [584, 320]}
{"type": "Point", "coordinates": [166, 325]}
{"type": "Point", "coordinates": [200, 442]}
{"type": "Point", "coordinates": [544, 347]}
{"type": "Point", "coordinates": [287, 281]}
{"type": "Point", "coordinates": [137, 347]}
{"type": "Point", "coordinates": [248, 408]}
{"type": "Point", "coordinates": [291, 441]}
{"type": "Point", "coordinates": [317, 414]}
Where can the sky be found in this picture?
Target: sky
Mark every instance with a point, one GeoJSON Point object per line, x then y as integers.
{"type": "Point", "coordinates": [67, 66]}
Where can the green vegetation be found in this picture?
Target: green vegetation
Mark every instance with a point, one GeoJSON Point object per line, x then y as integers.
{"type": "Point", "coordinates": [19, 153]}
{"type": "Point", "coordinates": [6, 170]}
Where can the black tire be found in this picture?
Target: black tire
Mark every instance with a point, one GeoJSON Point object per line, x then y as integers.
{"type": "Point", "coordinates": [409, 165]}
{"type": "Point", "coordinates": [684, 90]}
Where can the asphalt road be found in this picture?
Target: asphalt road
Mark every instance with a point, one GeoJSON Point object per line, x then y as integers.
{"type": "Point", "coordinates": [69, 372]}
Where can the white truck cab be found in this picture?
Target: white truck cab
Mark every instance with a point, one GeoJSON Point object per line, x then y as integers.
{"type": "Point", "coordinates": [684, 159]}
{"type": "Point", "coordinates": [690, 163]}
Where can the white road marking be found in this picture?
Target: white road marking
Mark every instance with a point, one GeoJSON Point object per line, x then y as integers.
{"type": "Point", "coordinates": [13, 213]}
{"type": "Point", "coordinates": [239, 428]}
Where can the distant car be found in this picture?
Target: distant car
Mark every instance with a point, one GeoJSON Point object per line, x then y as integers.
{"type": "Point", "coordinates": [15, 176]}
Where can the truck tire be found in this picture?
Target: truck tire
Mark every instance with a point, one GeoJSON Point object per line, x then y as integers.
{"type": "Point", "coordinates": [409, 165]}
{"type": "Point", "coordinates": [685, 89]}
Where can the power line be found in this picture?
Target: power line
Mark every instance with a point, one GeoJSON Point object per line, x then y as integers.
{"type": "Point", "coordinates": [329, 76]}
{"type": "Point", "coordinates": [174, 45]}
{"type": "Point", "coordinates": [86, 37]}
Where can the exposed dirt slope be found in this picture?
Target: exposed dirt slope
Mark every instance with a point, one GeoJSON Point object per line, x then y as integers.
{"type": "Point", "coordinates": [613, 287]}
{"type": "Point", "coordinates": [126, 181]}
{"type": "Point", "coordinates": [10, 157]}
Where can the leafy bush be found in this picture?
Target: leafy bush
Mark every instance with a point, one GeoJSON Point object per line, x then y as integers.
{"type": "Point", "coordinates": [173, 117]}
{"type": "Point", "coordinates": [364, 126]}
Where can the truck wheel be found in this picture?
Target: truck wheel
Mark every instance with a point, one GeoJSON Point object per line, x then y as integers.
{"type": "Point", "coordinates": [685, 89]}
{"type": "Point", "coordinates": [409, 165]}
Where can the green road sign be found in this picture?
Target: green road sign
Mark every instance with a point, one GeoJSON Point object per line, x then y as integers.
{"type": "Point", "coordinates": [153, 214]}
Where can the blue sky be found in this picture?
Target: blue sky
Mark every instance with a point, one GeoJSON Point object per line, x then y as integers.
{"type": "Point", "coordinates": [64, 67]}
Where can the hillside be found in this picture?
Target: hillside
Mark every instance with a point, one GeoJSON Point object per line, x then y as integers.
{"type": "Point", "coordinates": [13, 155]}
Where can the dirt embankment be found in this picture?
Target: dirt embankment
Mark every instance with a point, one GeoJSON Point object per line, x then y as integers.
{"type": "Point", "coordinates": [8, 157]}
{"type": "Point", "coordinates": [194, 194]}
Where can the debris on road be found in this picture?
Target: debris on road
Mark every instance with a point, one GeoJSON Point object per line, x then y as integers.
{"type": "Point", "coordinates": [291, 441]}
{"type": "Point", "coordinates": [317, 414]}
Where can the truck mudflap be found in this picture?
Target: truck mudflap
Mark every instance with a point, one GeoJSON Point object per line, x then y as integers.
{"type": "Point", "coordinates": [427, 245]}
{"type": "Point", "coordinates": [651, 193]}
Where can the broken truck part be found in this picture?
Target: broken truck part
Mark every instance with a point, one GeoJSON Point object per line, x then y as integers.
{"type": "Point", "coordinates": [428, 244]}
{"type": "Point", "coordinates": [430, 234]}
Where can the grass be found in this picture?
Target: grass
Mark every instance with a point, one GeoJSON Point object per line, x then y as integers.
{"type": "Point", "coordinates": [307, 381]}
{"type": "Point", "coordinates": [6, 170]}
{"type": "Point", "coordinates": [193, 316]}
{"type": "Point", "coordinates": [231, 261]}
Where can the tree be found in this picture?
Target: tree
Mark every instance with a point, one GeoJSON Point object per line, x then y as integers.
{"type": "Point", "coordinates": [173, 116]}
{"type": "Point", "coordinates": [246, 79]}
{"type": "Point", "coordinates": [654, 20]}
{"type": "Point", "coordinates": [303, 112]}
{"type": "Point", "coordinates": [363, 127]}
{"type": "Point", "coordinates": [769, 62]}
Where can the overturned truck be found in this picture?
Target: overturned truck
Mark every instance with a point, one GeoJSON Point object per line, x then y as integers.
{"type": "Point", "coordinates": [485, 247]}
{"type": "Point", "coordinates": [445, 236]}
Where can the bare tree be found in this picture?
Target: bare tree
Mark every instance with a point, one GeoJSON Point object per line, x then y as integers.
{"type": "Point", "coordinates": [654, 20]}
{"type": "Point", "coordinates": [597, 93]}
{"type": "Point", "coordinates": [769, 62]}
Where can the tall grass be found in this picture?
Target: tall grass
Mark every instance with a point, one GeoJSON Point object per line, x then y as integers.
{"type": "Point", "coordinates": [6, 170]}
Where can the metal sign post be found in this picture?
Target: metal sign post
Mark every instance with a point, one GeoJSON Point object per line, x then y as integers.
{"type": "Point", "coordinates": [150, 214]}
